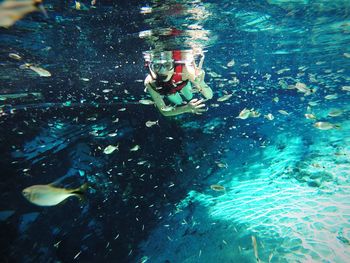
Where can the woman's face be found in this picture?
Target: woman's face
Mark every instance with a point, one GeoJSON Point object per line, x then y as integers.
{"type": "Point", "coordinates": [163, 69]}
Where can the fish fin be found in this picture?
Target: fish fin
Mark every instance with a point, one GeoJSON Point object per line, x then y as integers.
{"type": "Point", "coordinates": [80, 192]}
{"type": "Point", "coordinates": [57, 181]}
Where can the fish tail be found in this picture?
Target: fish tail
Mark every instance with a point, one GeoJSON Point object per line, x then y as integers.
{"type": "Point", "coordinates": [80, 192]}
{"type": "Point", "coordinates": [337, 126]}
{"type": "Point", "coordinates": [25, 66]}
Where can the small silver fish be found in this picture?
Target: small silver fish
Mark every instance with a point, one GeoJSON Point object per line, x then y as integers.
{"type": "Point", "coordinates": [254, 114]}
{"type": "Point", "coordinates": [313, 103]}
{"type": "Point", "coordinates": [151, 123]}
{"type": "Point", "coordinates": [110, 149]}
{"type": "Point", "coordinates": [282, 70]}
{"type": "Point", "coordinates": [146, 102]}
{"type": "Point", "coordinates": [231, 63]}
{"type": "Point", "coordinates": [331, 97]}
{"type": "Point", "coordinates": [217, 188]}
{"type": "Point", "coordinates": [224, 97]}
{"type": "Point", "coordinates": [15, 56]}
{"type": "Point", "coordinates": [222, 165]}
{"type": "Point", "coordinates": [310, 116]}
{"type": "Point", "coordinates": [49, 195]}
{"type": "Point", "coordinates": [255, 247]}
{"type": "Point", "coordinates": [301, 87]}
{"type": "Point", "coordinates": [283, 112]}
{"type": "Point", "coordinates": [40, 71]}
{"type": "Point", "coordinates": [276, 99]}
{"type": "Point", "coordinates": [244, 114]}
{"type": "Point", "coordinates": [269, 116]}
{"type": "Point", "coordinates": [135, 148]}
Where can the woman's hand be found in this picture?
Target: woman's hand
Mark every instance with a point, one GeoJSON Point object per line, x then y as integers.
{"type": "Point", "coordinates": [196, 106]}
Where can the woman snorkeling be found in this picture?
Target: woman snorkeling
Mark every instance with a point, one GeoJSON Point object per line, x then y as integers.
{"type": "Point", "coordinates": [174, 75]}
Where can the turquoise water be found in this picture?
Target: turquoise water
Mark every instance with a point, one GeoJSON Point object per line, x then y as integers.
{"type": "Point", "coordinates": [280, 179]}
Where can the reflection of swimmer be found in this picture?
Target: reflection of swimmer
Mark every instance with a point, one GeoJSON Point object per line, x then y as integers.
{"type": "Point", "coordinates": [173, 76]}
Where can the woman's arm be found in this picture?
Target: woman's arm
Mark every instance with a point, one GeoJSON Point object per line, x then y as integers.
{"type": "Point", "coordinates": [200, 64]}
{"type": "Point", "coordinates": [198, 81]}
{"type": "Point", "coordinates": [194, 106]}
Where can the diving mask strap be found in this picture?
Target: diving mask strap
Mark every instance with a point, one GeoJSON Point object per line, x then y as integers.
{"type": "Point", "coordinates": [153, 74]}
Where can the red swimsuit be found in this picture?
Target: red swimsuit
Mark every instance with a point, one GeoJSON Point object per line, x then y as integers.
{"type": "Point", "coordinates": [176, 83]}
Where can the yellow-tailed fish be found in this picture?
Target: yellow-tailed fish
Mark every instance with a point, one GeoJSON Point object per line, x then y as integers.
{"type": "Point", "coordinates": [335, 113]}
{"type": "Point", "coordinates": [50, 195]}
{"type": "Point", "coordinates": [324, 125]}
{"type": "Point", "coordinates": [224, 97]}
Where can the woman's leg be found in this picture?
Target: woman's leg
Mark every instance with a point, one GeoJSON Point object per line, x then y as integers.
{"type": "Point", "coordinates": [187, 91]}
{"type": "Point", "coordinates": [175, 98]}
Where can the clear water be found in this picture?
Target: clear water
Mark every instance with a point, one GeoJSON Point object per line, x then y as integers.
{"type": "Point", "coordinates": [286, 182]}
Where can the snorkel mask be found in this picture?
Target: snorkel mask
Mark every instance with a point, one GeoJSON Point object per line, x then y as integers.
{"type": "Point", "coordinates": [161, 65]}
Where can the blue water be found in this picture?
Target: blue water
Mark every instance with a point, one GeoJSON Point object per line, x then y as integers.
{"type": "Point", "coordinates": [286, 182]}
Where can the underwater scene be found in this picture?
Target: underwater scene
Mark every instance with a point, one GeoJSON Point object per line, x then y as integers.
{"type": "Point", "coordinates": [175, 131]}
